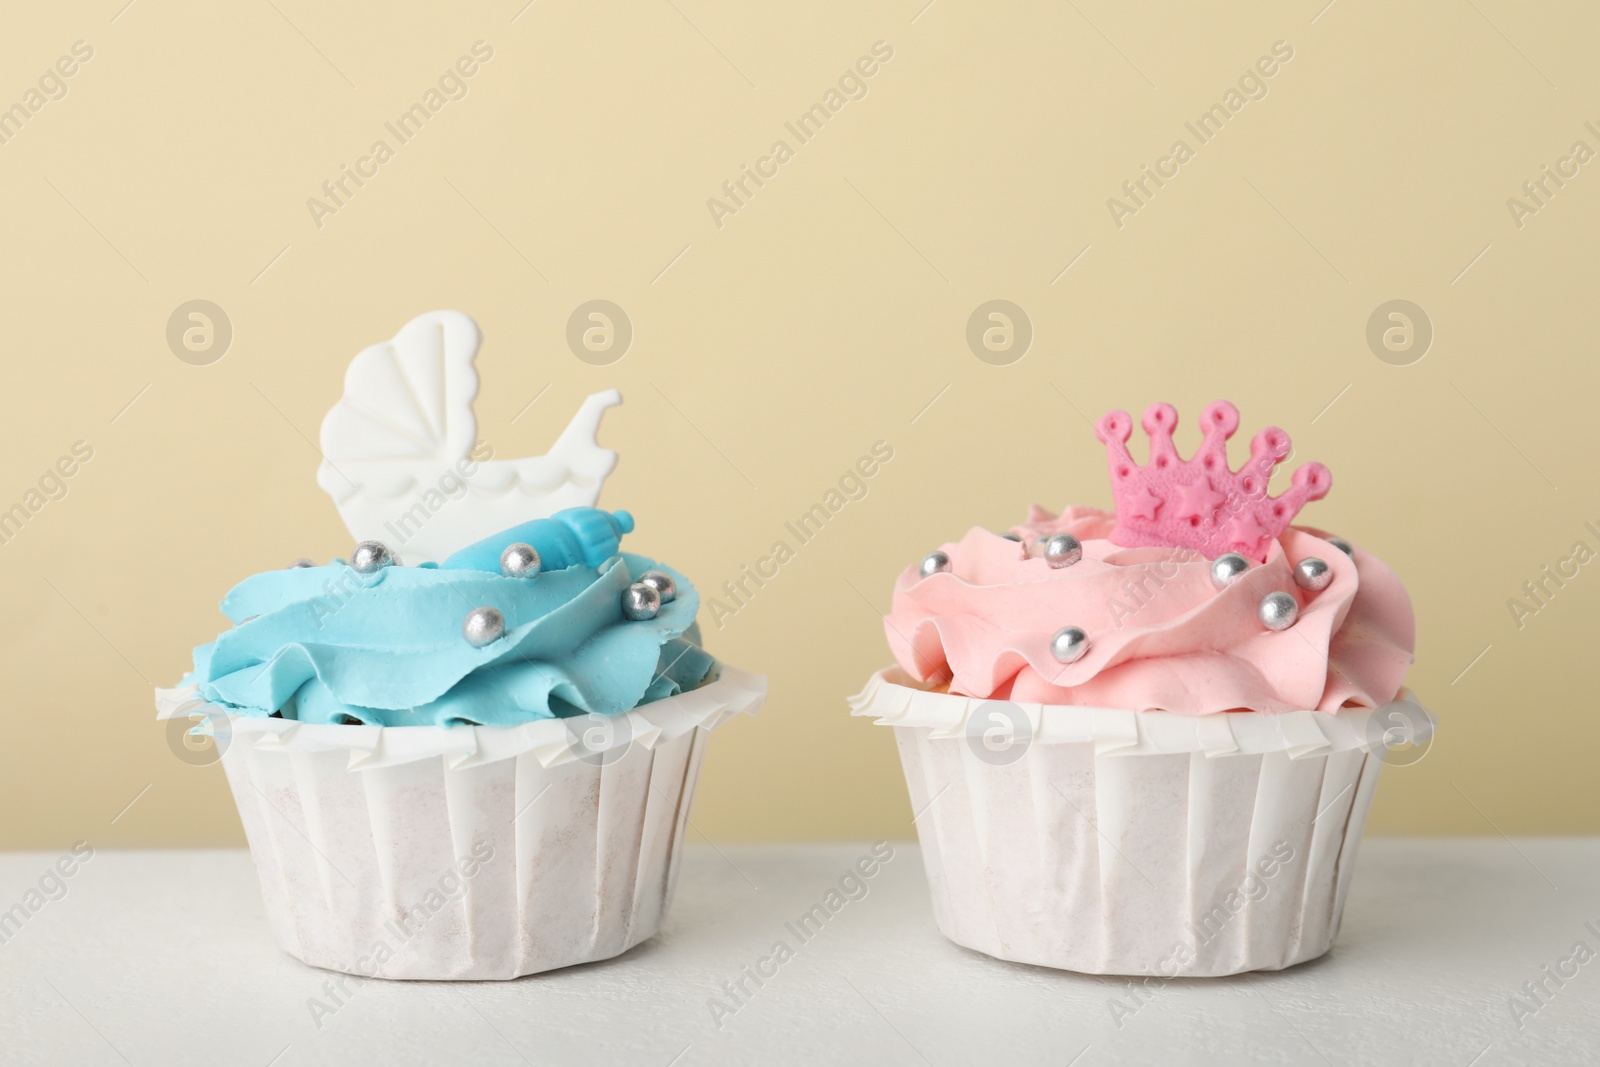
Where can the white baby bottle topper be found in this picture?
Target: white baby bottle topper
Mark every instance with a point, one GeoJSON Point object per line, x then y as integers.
{"type": "Point", "coordinates": [397, 448]}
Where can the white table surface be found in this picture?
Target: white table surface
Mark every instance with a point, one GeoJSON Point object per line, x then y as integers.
{"type": "Point", "coordinates": [165, 958]}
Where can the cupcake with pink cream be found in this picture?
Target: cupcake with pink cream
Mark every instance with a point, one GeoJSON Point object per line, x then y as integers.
{"type": "Point", "coordinates": [1145, 741]}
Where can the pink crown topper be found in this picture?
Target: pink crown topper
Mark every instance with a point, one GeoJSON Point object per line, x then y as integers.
{"type": "Point", "coordinates": [1199, 503]}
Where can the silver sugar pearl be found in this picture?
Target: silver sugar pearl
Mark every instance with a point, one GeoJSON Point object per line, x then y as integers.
{"type": "Point", "coordinates": [1062, 550]}
{"type": "Point", "coordinates": [1277, 611]}
{"type": "Point", "coordinates": [300, 564]}
{"type": "Point", "coordinates": [370, 557]}
{"type": "Point", "coordinates": [1012, 537]}
{"type": "Point", "coordinates": [1227, 569]}
{"type": "Point", "coordinates": [1069, 644]}
{"type": "Point", "coordinates": [935, 563]}
{"type": "Point", "coordinates": [1342, 545]}
{"type": "Point", "coordinates": [519, 560]}
{"type": "Point", "coordinates": [640, 602]}
{"type": "Point", "coordinates": [483, 626]}
{"type": "Point", "coordinates": [1312, 574]}
{"type": "Point", "coordinates": [662, 583]}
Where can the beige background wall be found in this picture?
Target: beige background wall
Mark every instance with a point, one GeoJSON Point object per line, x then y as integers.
{"type": "Point", "coordinates": [827, 313]}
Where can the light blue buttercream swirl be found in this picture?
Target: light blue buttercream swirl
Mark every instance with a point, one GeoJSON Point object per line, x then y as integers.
{"type": "Point", "coordinates": [330, 645]}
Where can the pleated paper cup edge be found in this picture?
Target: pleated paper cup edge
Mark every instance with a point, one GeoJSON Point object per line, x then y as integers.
{"type": "Point", "coordinates": [891, 699]}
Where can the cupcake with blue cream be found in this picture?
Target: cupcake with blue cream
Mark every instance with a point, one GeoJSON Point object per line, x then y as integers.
{"type": "Point", "coordinates": [477, 765]}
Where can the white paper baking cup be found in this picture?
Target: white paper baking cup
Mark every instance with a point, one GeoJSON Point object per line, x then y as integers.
{"type": "Point", "coordinates": [469, 852]}
{"type": "Point", "coordinates": [1111, 841]}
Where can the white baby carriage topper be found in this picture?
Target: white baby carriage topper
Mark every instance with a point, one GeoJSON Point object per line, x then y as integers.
{"type": "Point", "coordinates": [397, 448]}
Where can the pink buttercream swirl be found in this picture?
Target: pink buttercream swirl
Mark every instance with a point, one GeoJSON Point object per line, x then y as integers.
{"type": "Point", "coordinates": [1161, 636]}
